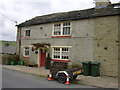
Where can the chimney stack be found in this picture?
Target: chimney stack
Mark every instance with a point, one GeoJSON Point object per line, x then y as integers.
{"type": "Point", "coordinates": [102, 2]}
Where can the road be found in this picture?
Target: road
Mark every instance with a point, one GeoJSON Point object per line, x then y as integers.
{"type": "Point", "coordinates": [15, 79]}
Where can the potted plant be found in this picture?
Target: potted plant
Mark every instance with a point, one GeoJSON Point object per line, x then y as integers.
{"type": "Point", "coordinates": [48, 62]}
{"type": "Point", "coordinates": [13, 59]}
{"type": "Point", "coordinates": [21, 62]}
{"type": "Point", "coordinates": [12, 62]}
{"type": "Point", "coordinates": [32, 64]}
{"type": "Point", "coordinates": [25, 61]}
{"type": "Point", "coordinates": [45, 49]}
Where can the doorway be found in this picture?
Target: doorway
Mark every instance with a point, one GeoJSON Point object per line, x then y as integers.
{"type": "Point", "coordinates": [42, 58]}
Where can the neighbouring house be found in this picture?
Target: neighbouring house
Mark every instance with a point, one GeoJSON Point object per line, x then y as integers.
{"type": "Point", "coordinates": [6, 49]}
{"type": "Point", "coordinates": [74, 37]}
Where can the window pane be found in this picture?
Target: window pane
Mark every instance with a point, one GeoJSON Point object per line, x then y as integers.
{"type": "Point", "coordinates": [57, 55]}
{"type": "Point", "coordinates": [65, 57]}
{"type": "Point", "coordinates": [26, 52]}
{"type": "Point", "coordinates": [26, 47]}
{"type": "Point", "coordinates": [66, 24]}
{"type": "Point", "coordinates": [65, 53]}
{"type": "Point", "coordinates": [64, 27]}
{"type": "Point", "coordinates": [57, 29]}
{"type": "Point", "coordinates": [64, 49]}
{"type": "Point", "coordinates": [27, 33]}
{"type": "Point", "coordinates": [61, 53]}
{"type": "Point", "coordinates": [56, 49]}
{"type": "Point", "coordinates": [66, 30]}
{"type": "Point", "coordinates": [56, 25]}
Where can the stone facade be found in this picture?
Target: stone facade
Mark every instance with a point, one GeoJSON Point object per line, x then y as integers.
{"type": "Point", "coordinates": [81, 40]}
{"type": "Point", "coordinates": [106, 44]}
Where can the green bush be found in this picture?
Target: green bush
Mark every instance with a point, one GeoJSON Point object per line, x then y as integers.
{"type": "Point", "coordinates": [48, 62]}
{"type": "Point", "coordinates": [31, 64]}
{"type": "Point", "coordinates": [75, 65]}
{"type": "Point", "coordinates": [24, 60]}
{"type": "Point", "coordinates": [6, 59]}
{"type": "Point", "coordinates": [27, 62]}
{"type": "Point", "coordinates": [15, 58]}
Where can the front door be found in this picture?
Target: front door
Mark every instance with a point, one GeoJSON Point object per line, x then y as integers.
{"type": "Point", "coordinates": [42, 58]}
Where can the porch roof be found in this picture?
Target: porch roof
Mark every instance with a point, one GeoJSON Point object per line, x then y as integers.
{"type": "Point", "coordinates": [40, 44]}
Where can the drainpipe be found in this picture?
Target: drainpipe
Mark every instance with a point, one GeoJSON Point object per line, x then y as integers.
{"type": "Point", "coordinates": [19, 41]}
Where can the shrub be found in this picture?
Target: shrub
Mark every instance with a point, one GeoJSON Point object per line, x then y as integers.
{"type": "Point", "coordinates": [27, 62]}
{"type": "Point", "coordinates": [32, 64]}
{"type": "Point", "coordinates": [75, 65]}
{"type": "Point", "coordinates": [48, 62]}
{"type": "Point", "coordinates": [15, 58]}
{"type": "Point", "coordinates": [24, 60]}
{"type": "Point", "coordinates": [6, 59]}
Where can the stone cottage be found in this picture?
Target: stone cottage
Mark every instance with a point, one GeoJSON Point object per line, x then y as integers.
{"type": "Point", "coordinates": [74, 37]}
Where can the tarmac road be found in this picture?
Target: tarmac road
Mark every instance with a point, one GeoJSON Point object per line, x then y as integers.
{"type": "Point", "coordinates": [15, 79]}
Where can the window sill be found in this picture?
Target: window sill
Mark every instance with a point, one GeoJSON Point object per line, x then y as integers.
{"type": "Point", "coordinates": [60, 60]}
{"type": "Point", "coordinates": [26, 37]}
{"type": "Point", "coordinates": [59, 36]}
{"type": "Point", "coordinates": [25, 57]}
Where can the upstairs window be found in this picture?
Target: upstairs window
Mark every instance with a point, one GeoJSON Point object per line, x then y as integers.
{"type": "Point", "coordinates": [27, 32]}
{"type": "Point", "coordinates": [66, 28]}
{"type": "Point", "coordinates": [57, 29]}
{"type": "Point", "coordinates": [62, 29]}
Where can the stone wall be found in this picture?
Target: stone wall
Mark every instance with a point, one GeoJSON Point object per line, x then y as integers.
{"type": "Point", "coordinates": [106, 44]}
{"type": "Point", "coordinates": [0, 58]}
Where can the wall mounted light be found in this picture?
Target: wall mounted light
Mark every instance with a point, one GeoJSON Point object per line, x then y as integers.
{"type": "Point", "coordinates": [36, 51]}
{"type": "Point", "coordinates": [41, 28]}
{"type": "Point", "coordinates": [105, 48]}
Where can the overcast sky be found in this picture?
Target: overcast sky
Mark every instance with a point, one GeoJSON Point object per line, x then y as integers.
{"type": "Point", "coordinates": [22, 10]}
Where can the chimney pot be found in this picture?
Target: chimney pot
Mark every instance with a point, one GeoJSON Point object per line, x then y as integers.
{"type": "Point", "coordinates": [102, 2]}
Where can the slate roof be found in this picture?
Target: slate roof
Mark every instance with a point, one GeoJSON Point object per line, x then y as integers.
{"type": "Point", "coordinates": [107, 10]}
{"type": "Point", "coordinates": [7, 49]}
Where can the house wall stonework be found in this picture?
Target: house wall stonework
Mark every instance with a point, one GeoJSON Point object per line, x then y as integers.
{"type": "Point", "coordinates": [106, 44]}
{"type": "Point", "coordinates": [81, 40]}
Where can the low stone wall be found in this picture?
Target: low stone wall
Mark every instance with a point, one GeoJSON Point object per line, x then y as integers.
{"type": "Point", "coordinates": [0, 58]}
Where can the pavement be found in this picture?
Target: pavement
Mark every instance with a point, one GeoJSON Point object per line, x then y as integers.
{"type": "Point", "coordinates": [100, 81]}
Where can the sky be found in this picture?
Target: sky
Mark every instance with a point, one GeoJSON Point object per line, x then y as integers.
{"type": "Point", "coordinates": [22, 10]}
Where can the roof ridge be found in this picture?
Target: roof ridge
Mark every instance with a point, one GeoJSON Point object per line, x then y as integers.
{"type": "Point", "coordinates": [71, 15]}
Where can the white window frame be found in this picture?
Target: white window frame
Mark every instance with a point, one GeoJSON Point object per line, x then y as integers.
{"type": "Point", "coordinates": [24, 49]}
{"type": "Point", "coordinates": [27, 29]}
{"type": "Point", "coordinates": [60, 52]}
{"type": "Point", "coordinates": [62, 29]}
